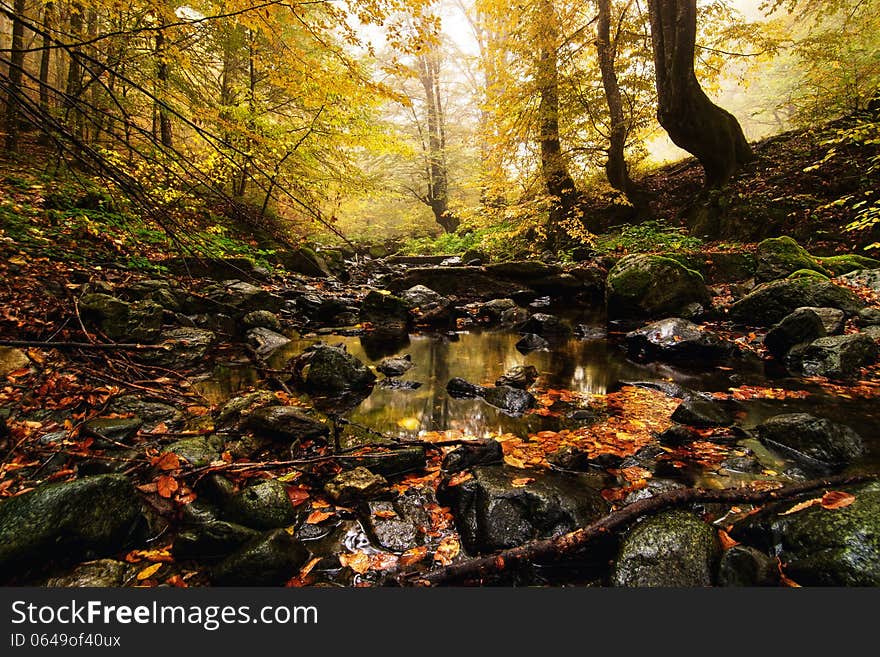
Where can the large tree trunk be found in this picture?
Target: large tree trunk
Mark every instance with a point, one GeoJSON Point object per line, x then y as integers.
{"type": "Point", "coordinates": [554, 170]}
{"type": "Point", "coordinates": [438, 174]}
{"type": "Point", "coordinates": [16, 71]}
{"type": "Point", "coordinates": [74, 84]}
{"type": "Point", "coordinates": [616, 167]}
{"type": "Point", "coordinates": [694, 123]}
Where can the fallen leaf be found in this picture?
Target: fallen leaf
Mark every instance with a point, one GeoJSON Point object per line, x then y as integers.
{"type": "Point", "coordinates": [447, 550]}
{"type": "Point", "coordinates": [359, 562]}
{"type": "Point", "coordinates": [316, 517]}
{"type": "Point", "coordinates": [167, 461]}
{"type": "Point", "coordinates": [166, 486]}
{"type": "Point", "coordinates": [413, 555]}
{"type": "Point", "coordinates": [513, 461]}
{"type": "Point", "coordinates": [160, 428]}
{"type": "Point", "coordinates": [800, 506]}
{"type": "Point", "coordinates": [459, 478]}
{"type": "Point", "coordinates": [176, 581]}
{"type": "Point", "coordinates": [297, 495]}
{"type": "Point", "coordinates": [409, 423]}
{"type": "Point", "coordinates": [726, 541]}
{"type": "Point", "coordinates": [385, 514]}
{"type": "Point", "coordinates": [522, 482]}
{"type": "Point", "coordinates": [149, 571]}
{"type": "Point", "coordinates": [836, 499]}
{"type": "Point", "coordinates": [383, 561]}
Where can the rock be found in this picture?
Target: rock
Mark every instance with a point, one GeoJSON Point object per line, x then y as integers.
{"type": "Point", "coordinates": [869, 278]}
{"type": "Point", "coordinates": [479, 452]}
{"type": "Point", "coordinates": [286, 423]}
{"type": "Point", "coordinates": [393, 533]}
{"type": "Point", "coordinates": [395, 366]}
{"type": "Point", "coordinates": [183, 347]}
{"type": "Point", "coordinates": [158, 291]}
{"type": "Point", "coordinates": [492, 312]}
{"type": "Point", "coordinates": [105, 573]}
{"type": "Point", "coordinates": [304, 261]}
{"type": "Point", "coordinates": [802, 326]}
{"type": "Point", "coordinates": [578, 460]}
{"type": "Point", "coordinates": [151, 412]}
{"type": "Point", "coordinates": [262, 319]}
{"type": "Point", "coordinates": [769, 303]}
{"type": "Point", "coordinates": [872, 332]}
{"type": "Point", "coordinates": [117, 429]}
{"type": "Point", "coordinates": [458, 388]}
{"type": "Point", "coordinates": [263, 505]}
{"type": "Point", "coordinates": [835, 357]}
{"type": "Point", "coordinates": [391, 463]}
{"type": "Point", "coordinates": [699, 412]}
{"type": "Point", "coordinates": [813, 440]}
{"type": "Point", "coordinates": [869, 317]}
{"type": "Point", "coordinates": [269, 560]}
{"type": "Point", "coordinates": [332, 370]}
{"type": "Point", "coordinates": [531, 342]}
{"type": "Point", "coordinates": [809, 273]}
{"type": "Point", "coordinates": [232, 297]}
{"type": "Point", "coordinates": [265, 341]}
{"type": "Point", "coordinates": [384, 310]}
{"type": "Point", "coordinates": [492, 513]}
{"type": "Point", "coordinates": [844, 264]}
{"type": "Point", "coordinates": [652, 286]}
{"type": "Point", "coordinates": [655, 487]}
{"type": "Point", "coordinates": [519, 376]}
{"type": "Point", "coordinates": [547, 326]}
{"type": "Point", "coordinates": [522, 271]}
{"type": "Point", "coordinates": [140, 321]}
{"type": "Point", "coordinates": [673, 549]}
{"type": "Point", "coordinates": [821, 547]}
{"type": "Point", "coordinates": [587, 332]}
{"type": "Point", "coordinates": [833, 319]}
{"type": "Point", "coordinates": [778, 257]}
{"type": "Point", "coordinates": [197, 452]}
{"type": "Point", "coordinates": [219, 269]}
{"type": "Point", "coordinates": [90, 516]}
{"type": "Point", "coordinates": [742, 565]}
{"type": "Point", "coordinates": [11, 360]}
{"type": "Point", "coordinates": [238, 406]}
{"type": "Point", "coordinates": [356, 484]}
{"type": "Point", "coordinates": [512, 401]}
{"type": "Point", "coordinates": [677, 340]}
{"type": "Point", "coordinates": [679, 434]}
{"type": "Point", "coordinates": [399, 384]}
{"type": "Point", "coordinates": [205, 536]}
{"type": "Point", "coordinates": [465, 282]}
{"type": "Point", "coordinates": [419, 296]}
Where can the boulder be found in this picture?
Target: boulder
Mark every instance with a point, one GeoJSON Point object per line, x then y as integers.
{"type": "Point", "coordinates": [779, 257]}
{"type": "Point", "coordinates": [262, 505]}
{"type": "Point", "coordinates": [419, 296]}
{"type": "Point", "coordinates": [158, 291]}
{"type": "Point", "coordinates": [90, 516]}
{"type": "Point", "coordinates": [11, 360]}
{"type": "Point", "coordinates": [696, 411]}
{"type": "Point", "coordinates": [512, 401]}
{"type": "Point", "coordinates": [395, 366]}
{"type": "Point", "coordinates": [833, 319]}
{"type": "Point", "coordinates": [237, 298]}
{"type": "Point", "coordinates": [389, 528]}
{"type": "Point", "coordinates": [812, 440]}
{"type": "Point", "coordinates": [262, 319]}
{"type": "Point", "coordinates": [478, 452]}
{"type": "Point", "coordinates": [384, 310]}
{"type": "Point", "coordinates": [103, 573]}
{"type": "Point", "coordinates": [844, 264]}
{"type": "Point", "coordinates": [546, 326]}
{"type": "Point", "coordinates": [332, 370]}
{"type": "Point", "coordinates": [492, 512]}
{"type": "Point", "coordinates": [769, 303]}
{"type": "Point", "coordinates": [304, 261]}
{"type": "Point", "coordinates": [519, 376]}
{"type": "Point", "coordinates": [802, 326]}
{"type": "Point", "coordinates": [266, 341]}
{"type": "Point", "coordinates": [197, 452]}
{"type": "Point", "coordinates": [677, 340]}
{"type": "Point", "coordinates": [204, 535]}
{"type": "Point", "coordinates": [531, 342]}
{"type": "Point", "coordinates": [287, 423]}
{"type": "Point", "coordinates": [184, 347]}
{"type": "Point", "coordinates": [465, 282]}
{"type": "Point", "coordinates": [140, 321]}
{"type": "Point", "coordinates": [835, 357]}
{"type": "Point", "coordinates": [116, 429]}
{"type": "Point", "coordinates": [743, 565]}
{"type": "Point", "coordinates": [673, 549]}
{"type": "Point", "coordinates": [818, 546]}
{"type": "Point", "coordinates": [244, 404]}
{"type": "Point", "coordinates": [151, 412]}
{"type": "Point", "coordinates": [869, 278]}
{"type": "Point", "coordinates": [869, 317]}
{"type": "Point", "coordinates": [268, 560]}
{"type": "Point", "coordinates": [356, 484]}
{"type": "Point", "coordinates": [652, 286]}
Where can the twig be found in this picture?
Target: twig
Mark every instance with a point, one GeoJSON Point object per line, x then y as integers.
{"type": "Point", "coordinates": [84, 345]}
{"type": "Point", "coordinates": [556, 548]}
{"type": "Point", "coordinates": [81, 325]}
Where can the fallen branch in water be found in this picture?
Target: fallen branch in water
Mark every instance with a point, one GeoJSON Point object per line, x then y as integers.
{"type": "Point", "coordinates": [556, 548]}
{"type": "Point", "coordinates": [103, 346]}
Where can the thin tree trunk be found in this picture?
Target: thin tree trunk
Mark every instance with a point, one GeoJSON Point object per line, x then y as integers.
{"type": "Point", "coordinates": [695, 123]}
{"type": "Point", "coordinates": [616, 167]}
{"type": "Point", "coordinates": [16, 71]}
{"type": "Point", "coordinates": [73, 87]}
{"type": "Point", "coordinates": [166, 136]}
{"type": "Point", "coordinates": [46, 57]}
{"type": "Point", "coordinates": [560, 185]}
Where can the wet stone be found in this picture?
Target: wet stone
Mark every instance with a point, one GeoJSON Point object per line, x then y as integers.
{"type": "Point", "coordinates": [285, 423]}
{"type": "Point", "coordinates": [480, 452]}
{"type": "Point", "coordinates": [356, 484]}
{"type": "Point", "coordinates": [265, 341]}
{"type": "Point", "coordinates": [532, 342]}
{"type": "Point", "coordinates": [699, 412]}
{"type": "Point", "coordinates": [205, 536]}
{"type": "Point", "coordinates": [119, 430]}
{"type": "Point", "coordinates": [263, 505]}
{"type": "Point", "coordinates": [802, 326]}
{"type": "Point", "coordinates": [262, 319]}
{"type": "Point", "coordinates": [677, 340]}
{"type": "Point", "coordinates": [269, 560]}
{"type": "Point", "coordinates": [546, 326]}
{"type": "Point", "coordinates": [197, 452]}
{"type": "Point", "coordinates": [391, 463]}
{"type": "Point", "coordinates": [98, 573]}
{"type": "Point", "coordinates": [395, 366]}
{"type": "Point", "coordinates": [813, 441]}
{"type": "Point", "coordinates": [742, 565]}
{"type": "Point", "coordinates": [520, 376]}
{"type": "Point", "coordinates": [390, 530]}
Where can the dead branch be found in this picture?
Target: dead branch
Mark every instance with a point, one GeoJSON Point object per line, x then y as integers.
{"type": "Point", "coordinates": [102, 346]}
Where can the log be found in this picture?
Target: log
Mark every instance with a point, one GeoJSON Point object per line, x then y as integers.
{"type": "Point", "coordinates": [557, 548]}
{"type": "Point", "coordinates": [101, 346]}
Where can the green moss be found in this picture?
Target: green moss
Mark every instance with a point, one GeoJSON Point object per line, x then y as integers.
{"type": "Point", "coordinates": [780, 256]}
{"type": "Point", "coordinates": [808, 273]}
{"type": "Point", "coordinates": [844, 264]}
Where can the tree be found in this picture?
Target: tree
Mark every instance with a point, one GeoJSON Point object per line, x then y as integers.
{"type": "Point", "coordinates": [692, 120]}
{"type": "Point", "coordinates": [14, 89]}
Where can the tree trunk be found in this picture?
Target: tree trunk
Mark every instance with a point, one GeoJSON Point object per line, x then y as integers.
{"type": "Point", "coordinates": [16, 71]}
{"type": "Point", "coordinates": [438, 174]}
{"type": "Point", "coordinates": [73, 87]}
{"type": "Point", "coordinates": [165, 131]}
{"type": "Point", "coordinates": [554, 170]}
{"type": "Point", "coordinates": [46, 57]}
{"type": "Point", "coordinates": [695, 123]}
{"type": "Point", "coordinates": [616, 167]}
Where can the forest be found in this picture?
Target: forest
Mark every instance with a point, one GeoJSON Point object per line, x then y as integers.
{"type": "Point", "coordinates": [418, 293]}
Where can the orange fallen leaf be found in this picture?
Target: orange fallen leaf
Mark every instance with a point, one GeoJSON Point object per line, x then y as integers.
{"type": "Point", "coordinates": [800, 506]}
{"type": "Point", "coordinates": [198, 411]}
{"type": "Point", "coordinates": [167, 461]}
{"type": "Point", "coordinates": [316, 517]}
{"type": "Point", "coordinates": [459, 478]}
{"type": "Point", "coordinates": [513, 461]}
{"type": "Point", "coordinates": [385, 514]}
{"type": "Point", "coordinates": [383, 561]}
{"type": "Point", "coordinates": [836, 499]}
{"type": "Point", "coordinates": [726, 541]}
{"type": "Point", "coordinates": [447, 550]}
{"type": "Point", "coordinates": [176, 581]}
{"type": "Point", "coordinates": [162, 555]}
{"type": "Point", "coordinates": [149, 571]}
{"type": "Point", "coordinates": [297, 495]}
{"type": "Point", "coordinates": [359, 562]}
{"type": "Point", "coordinates": [522, 482]}
{"type": "Point", "coordinates": [166, 486]}
{"type": "Point", "coordinates": [160, 428]}
{"type": "Point", "coordinates": [413, 555]}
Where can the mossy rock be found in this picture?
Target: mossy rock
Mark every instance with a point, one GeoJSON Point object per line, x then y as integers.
{"type": "Point", "coordinates": [769, 303]}
{"type": "Point", "coordinates": [844, 264]}
{"type": "Point", "coordinates": [808, 273]}
{"type": "Point", "coordinates": [778, 257]}
{"type": "Point", "coordinates": [653, 286]}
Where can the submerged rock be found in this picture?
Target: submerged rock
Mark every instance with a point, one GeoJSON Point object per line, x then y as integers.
{"type": "Point", "coordinates": [332, 370]}
{"type": "Point", "coordinates": [531, 342]}
{"type": "Point", "coordinates": [813, 440]}
{"type": "Point", "coordinates": [677, 340]}
{"type": "Point", "coordinates": [652, 286]}
{"type": "Point", "coordinates": [492, 512]}
{"type": "Point", "coordinates": [265, 341]}
{"type": "Point", "coordinates": [395, 366]}
{"type": "Point", "coordinates": [268, 560]}
{"type": "Point", "coordinates": [90, 516]}
{"type": "Point", "coordinates": [519, 376]}
{"type": "Point", "coordinates": [673, 549]}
